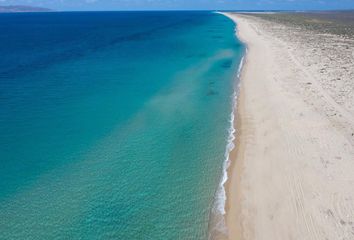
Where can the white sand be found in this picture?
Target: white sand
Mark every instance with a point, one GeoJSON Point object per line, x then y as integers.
{"type": "Point", "coordinates": [293, 172]}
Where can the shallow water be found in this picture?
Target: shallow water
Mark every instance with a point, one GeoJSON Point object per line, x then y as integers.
{"type": "Point", "coordinates": [113, 125]}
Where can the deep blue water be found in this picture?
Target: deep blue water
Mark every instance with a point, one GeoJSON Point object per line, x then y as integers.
{"type": "Point", "coordinates": [113, 124]}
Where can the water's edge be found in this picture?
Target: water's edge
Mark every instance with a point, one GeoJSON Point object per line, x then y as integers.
{"type": "Point", "coordinates": [217, 222]}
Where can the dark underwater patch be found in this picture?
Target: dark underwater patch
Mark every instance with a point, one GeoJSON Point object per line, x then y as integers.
{"type": "Point", "coordinates": [211, 92]}
{"type": "Point", "coordinates": [226, 64]}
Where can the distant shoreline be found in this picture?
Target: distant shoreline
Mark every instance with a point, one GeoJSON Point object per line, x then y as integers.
{"type": "Point", "coordinates": [22, 9]}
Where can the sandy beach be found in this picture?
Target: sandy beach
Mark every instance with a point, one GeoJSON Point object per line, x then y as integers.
{"type": "Point", "coordinates": [292, 172]}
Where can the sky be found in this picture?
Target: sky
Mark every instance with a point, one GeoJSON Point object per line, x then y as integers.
{"type": "Point", "coordinates": [84, 5]}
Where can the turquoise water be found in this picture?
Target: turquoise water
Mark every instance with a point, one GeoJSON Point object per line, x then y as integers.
{"type": "Point", "coordinates": [113, 125]}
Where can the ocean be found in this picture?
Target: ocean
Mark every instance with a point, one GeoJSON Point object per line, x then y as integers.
{"type": "Point", "coordinates": [115, 125]}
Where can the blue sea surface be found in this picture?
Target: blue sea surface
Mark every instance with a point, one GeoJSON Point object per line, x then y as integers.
{"type": "Point", "coordinates": [113, 124]}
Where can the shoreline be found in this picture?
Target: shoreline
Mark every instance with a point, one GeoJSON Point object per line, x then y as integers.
{"type": "Point", "coordinates": [220, 208]}
{"type": "Point", "coordinates": [220, 229]}
{"type": "Point", "coordinates": [232, 185]}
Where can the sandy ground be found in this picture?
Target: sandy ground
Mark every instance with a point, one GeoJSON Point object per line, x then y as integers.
{"type": "Point", "coordinates": [292, 175]}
